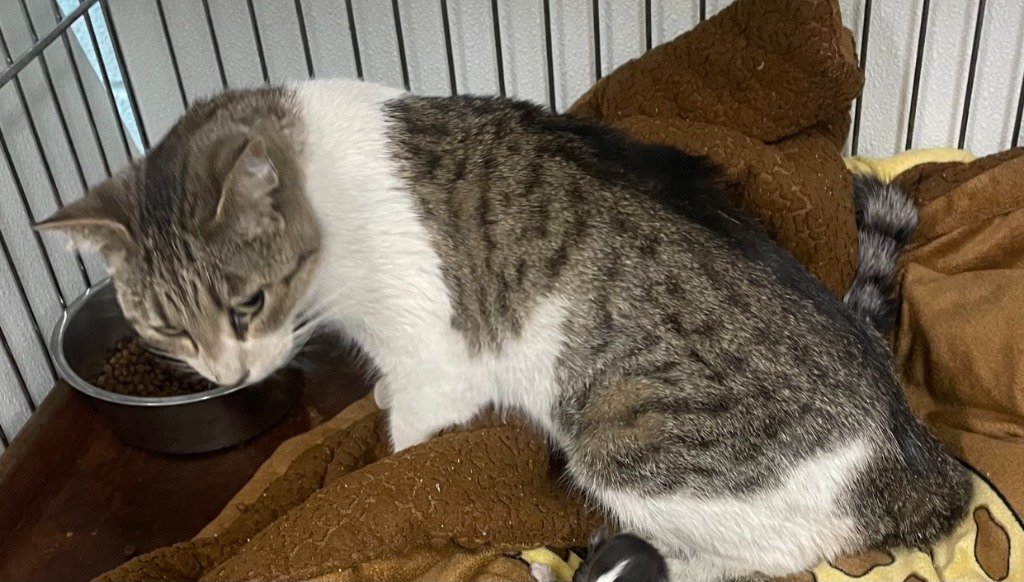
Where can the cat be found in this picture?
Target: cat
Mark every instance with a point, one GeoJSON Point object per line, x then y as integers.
{"type": "Point", "coordinates": [707, 392]}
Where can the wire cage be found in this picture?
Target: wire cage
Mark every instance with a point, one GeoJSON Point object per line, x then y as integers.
{"type": "Point", "coordinates": [89, 85]}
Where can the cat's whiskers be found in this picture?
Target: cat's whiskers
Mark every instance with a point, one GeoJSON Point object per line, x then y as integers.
{"type": "Point", "coordinates": [321, 309]}
{"type": "Point", "coordinates": [169, 360]}
{"type": "Point", "coordinates": [311, 317]}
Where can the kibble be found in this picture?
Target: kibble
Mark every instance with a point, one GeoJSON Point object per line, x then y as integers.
{"type": "Point", "coordinates": [132, 370]}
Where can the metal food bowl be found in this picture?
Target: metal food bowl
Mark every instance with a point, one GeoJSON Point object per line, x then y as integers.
{"type": "Point", "coordinates": [191, 423]}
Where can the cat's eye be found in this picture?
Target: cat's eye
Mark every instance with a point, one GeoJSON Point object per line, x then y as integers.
{"type": "Point", "coordinates": [251, 305]}
{"type": "Point", "coordinates": [243, 311]}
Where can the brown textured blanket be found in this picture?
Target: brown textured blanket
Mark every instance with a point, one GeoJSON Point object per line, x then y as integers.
{"type": "Point", "coordinates": [764, 87]}
{"type": "Point", "coordinates": [960, 345]}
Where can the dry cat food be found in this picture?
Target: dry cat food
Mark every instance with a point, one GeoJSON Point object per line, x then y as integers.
{"type": "Point", "coordinates": [133, 370]}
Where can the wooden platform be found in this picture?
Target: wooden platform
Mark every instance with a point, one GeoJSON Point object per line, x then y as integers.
{"type": "Point", "coordinates": [76, 502]}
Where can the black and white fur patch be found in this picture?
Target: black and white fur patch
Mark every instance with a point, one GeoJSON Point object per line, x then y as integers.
{"type": "Point", "coordinates": [620, 558]}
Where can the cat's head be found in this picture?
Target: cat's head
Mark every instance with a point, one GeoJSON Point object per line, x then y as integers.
{"type": "Point", "coordinates": [211, 245]}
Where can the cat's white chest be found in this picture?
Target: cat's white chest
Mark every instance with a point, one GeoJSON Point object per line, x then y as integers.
{"type": "Point", "coordinates": [381, 283]}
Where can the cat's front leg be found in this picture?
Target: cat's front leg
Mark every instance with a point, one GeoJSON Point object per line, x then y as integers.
{"type": "Point", "coordinates": [415, 415]}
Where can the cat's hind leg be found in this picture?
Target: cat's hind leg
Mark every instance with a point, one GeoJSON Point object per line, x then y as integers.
{"type": "Point", "coordinates": [660, 456]}
{"type": "Point", "coordinates": [701, 569]}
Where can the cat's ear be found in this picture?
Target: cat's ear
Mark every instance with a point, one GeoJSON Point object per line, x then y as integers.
{"type": "Point", "coordinates": [96, 222]}
{"type": "Point", "coordinates": [246, 202]}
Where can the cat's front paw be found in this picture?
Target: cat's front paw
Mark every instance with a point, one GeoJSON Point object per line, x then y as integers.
{"type": "Point", "coordinates": [404, 436]}
{"type": "Point", "coordinates": [417, 413]}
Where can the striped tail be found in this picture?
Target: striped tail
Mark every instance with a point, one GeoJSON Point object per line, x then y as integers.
{"type": "Point", "coordinates": [886, 219]}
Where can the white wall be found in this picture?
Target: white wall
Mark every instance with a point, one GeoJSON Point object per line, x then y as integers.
{"type": "Point", "coordinates": [890, 65]}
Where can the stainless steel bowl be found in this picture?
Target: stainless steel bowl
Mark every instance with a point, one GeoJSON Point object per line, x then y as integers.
{"type": "Point", "coordinates": [193, 423]}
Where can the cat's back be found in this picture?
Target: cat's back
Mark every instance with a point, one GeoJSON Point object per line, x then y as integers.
{"type": "Point", "coordinates": [522, 203]}
{"type": "Point", "coordinates": [520, 161]}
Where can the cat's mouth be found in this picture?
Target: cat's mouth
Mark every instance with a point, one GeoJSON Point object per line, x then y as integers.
{"type": "Point", "coordinates": [266, 357]}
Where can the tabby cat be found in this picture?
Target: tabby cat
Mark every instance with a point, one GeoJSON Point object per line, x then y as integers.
{"type": "Point", "coordinates": [706, 391]}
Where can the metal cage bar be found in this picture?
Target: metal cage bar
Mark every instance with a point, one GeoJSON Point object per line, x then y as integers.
{"type": "Point", "coordinates": [403, 60]}
{"type": "Point", "coordinates": [19, 377]}
{"type": "Point", "coordinates": [19, 186]}
{"type": "Point", "coordinates": [61, 117]}
{"type": "Point", "coordinates": [171, 51]}
{"type": "Point", "coordinates": [979, 23]}
{"type": "Point", "coordinates": [215, 44]}
{"type": "Point", "coordinates": [915, 92]}
{"type": "Point", "coordinates": [258, 38]}
{"type": "Point", "coordinates": [595, 9]}
{"type": "Point", "coordinates": [45, 160]}
{"type": "Point", "coordinates": [300, 15]}
{"type": "Point", "coordinates": [10, 75]}
{"type": "Point", "coordinates": [549, 56]}
{"type": "Point", "coordinates": [94, 41]}
{"type": "Point", "coordinates": [104, 159]}
{"type": "Point", "coordinates": [648, 26]}
{"type": "Point", "coordinates": [37, 332]}
{"type": "Point", "coordinates": [15, 67]}
{"type": "Point", "coordinates": [859, 105]}
{"type": "Point", "coordinates": [4, 441]}
{"type": "Point", "coordinates": [115, 41]}
{"type": "Point", "coordinates": [449, 50]}
{"type": "Point", "coordinates": [355, 38]}
{"type": "Point", "coordinates": [496, 25]}
{"type": "Point", "coordinates": [1015, 138]}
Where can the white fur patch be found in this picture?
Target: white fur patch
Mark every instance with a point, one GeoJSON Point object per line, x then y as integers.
{"type": "Point", "coordinates": [776, 532]}
{"type": "Point", "coordinates": [543, 573]}
{"type": "Point", "coordinates": [446, 385]}
{"type": "Point", "coordinates": [381, 282]}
